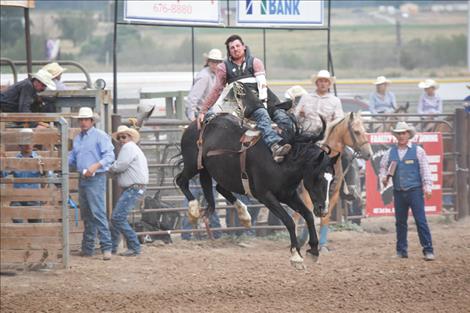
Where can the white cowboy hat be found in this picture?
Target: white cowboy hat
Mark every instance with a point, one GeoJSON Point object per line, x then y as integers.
{"type": "Point", "coordinates": [54, 69]}
{"type": "Point", "coordinates": [46, 78]}
{"type": "Point", "coordinates": [294, 92]}
{"type": "Point", "coordinates": [323, 74]}
{"type": "Point", "coordinates": [404, 127]}
{"type": "Point", "coordinates": [135, 136]}
{"type": "Point", "coordinates": [428, 83]}
{"type": "Point", "coordinates": [214, 54]}
{"type": "Point", "coordinates": [26, 136]}
{"type": "Point", "coordinates": [381, 80]}
{"type": "Point", "coordinates": [85, 112]}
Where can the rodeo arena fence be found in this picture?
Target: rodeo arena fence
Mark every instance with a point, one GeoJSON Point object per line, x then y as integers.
{"type": "Point", "coordinates": [50, 228]}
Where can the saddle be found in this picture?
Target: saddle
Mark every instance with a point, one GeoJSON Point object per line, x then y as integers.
{"type": "Point", "coordinates": [248, 139]}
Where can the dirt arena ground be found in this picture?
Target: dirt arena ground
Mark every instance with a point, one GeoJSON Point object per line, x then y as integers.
{"type": "Point", "coordinates": [254, 275]}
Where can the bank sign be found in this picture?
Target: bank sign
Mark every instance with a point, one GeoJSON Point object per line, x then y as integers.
{"type": "Point", "coordinates": [279, 13]}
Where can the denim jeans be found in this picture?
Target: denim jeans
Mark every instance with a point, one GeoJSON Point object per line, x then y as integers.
{"type": "Point", "coordinates": [119, 224]}
{"type": "Point", "coordinates": [263, 123]}
{"type": "Point", "coordinates": [283, 120]}
{"type": "Point", "coordinates": [254, 212]}
{"type": "Point", "coordinates": [403, 201]}
{"type": "Point", "coordinates": [92, 209]}
{"type": "Point", "coordinates": [214, 220]}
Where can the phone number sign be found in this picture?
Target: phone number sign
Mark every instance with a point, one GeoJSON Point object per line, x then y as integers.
{"type": "Point", "coordinates": [181, 12]}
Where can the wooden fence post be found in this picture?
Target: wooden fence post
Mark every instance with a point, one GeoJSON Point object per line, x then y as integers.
{"type": "Point", "coordinates": [461, 166]}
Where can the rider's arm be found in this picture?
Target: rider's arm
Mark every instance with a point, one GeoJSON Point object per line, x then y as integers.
{"type": "Point", "coordinates": [260, 75]}
{"type": "Point", "coordinates": [220, 81]}
{"type": "Point", "coordinates": [372, 104]}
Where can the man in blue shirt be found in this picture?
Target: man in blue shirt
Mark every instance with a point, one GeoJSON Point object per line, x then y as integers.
{"type": "Point", "coordinates": [92, 155]}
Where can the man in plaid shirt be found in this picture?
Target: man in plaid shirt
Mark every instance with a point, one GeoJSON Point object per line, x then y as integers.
{"type": "Point", "coordinates": [411, 177]}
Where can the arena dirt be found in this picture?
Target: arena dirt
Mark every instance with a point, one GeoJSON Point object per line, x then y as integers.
{"type": "Point", "coordinates": [254, 275]}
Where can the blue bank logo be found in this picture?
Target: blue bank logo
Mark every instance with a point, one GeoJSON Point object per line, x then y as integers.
{"type": "Point", "coordinates": [274, 7]}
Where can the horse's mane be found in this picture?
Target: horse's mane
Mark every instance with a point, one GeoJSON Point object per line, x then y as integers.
{"type": "Point", "coordinates": [333, 125]}
{"type": "Point", "coordinates": [304, 145]}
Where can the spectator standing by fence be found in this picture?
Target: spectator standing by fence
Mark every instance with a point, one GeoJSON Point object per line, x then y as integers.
{"type": "Point", "coordinates": [411, 175]}
{"type": "Point", "coordinates": [382, 100]}
{"type": "Point", "coordinates": [92, 155]}
{"type": "Point", "coordinates": [429, 101]}
{"type": "Point", "coordinates": [133, 176]}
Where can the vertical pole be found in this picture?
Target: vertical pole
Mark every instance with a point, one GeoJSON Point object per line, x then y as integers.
{"type": "Point", "coordinates": [27, 36]}
{"type": "Point", "coordinates": [468, 37]}
{"type": "Point", "coordinates": [192, 51]}
{"type": "Point", "coordinates": [116, 191]}
{"type": "Point", "coordinates": [228, 13]}
{"type": "Point", "coordinates": [462, 146]}
{"type": "Point", "coordinates": [64, 129]}
{"type": "Point", "coordinates": [264, 49]}
{"type": "Point", "coordinates": [329, 57]}
{"type": "Point", "coordinates": [115, 58]}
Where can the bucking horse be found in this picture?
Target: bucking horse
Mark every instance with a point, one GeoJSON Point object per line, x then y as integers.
{"type": "Point", "coordinates": [247, 167]}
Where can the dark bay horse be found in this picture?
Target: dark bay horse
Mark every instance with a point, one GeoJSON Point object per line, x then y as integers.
{"type": "Point", "coordinates": [269, 182]}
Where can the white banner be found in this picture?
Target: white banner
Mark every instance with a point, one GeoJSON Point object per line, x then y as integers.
{"type": "Point", "coordinates": [185, 12]}
{"type": "Point", "coordinates": [18, 3]}
{"type": "Point", "coordinates": [279, 13]}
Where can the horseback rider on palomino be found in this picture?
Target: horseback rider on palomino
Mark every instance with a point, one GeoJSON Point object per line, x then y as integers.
{"type": "Point", "coordinates": [241, 66]}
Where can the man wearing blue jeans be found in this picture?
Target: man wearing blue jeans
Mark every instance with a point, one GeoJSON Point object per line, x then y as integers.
{"type": "Point", "coordinates": [133, 175]}
{"type": "Point", "coordinates": [408, 166]}
{"type": "Point", "coordinates": [92, 155]}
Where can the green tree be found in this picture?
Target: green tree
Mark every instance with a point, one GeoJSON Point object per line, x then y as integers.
{"type": "Point", "coordinates": [77, 28]}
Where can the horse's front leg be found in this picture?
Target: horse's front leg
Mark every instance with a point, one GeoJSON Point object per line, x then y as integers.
{"type": "Point", "coordinates": [275, 206]}
{"type": "Point", "coordinates": [296, 204]}
{"type": "Point", "coordinates": [325, 221]}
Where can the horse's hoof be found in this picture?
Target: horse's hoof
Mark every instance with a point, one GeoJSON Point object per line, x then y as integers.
{"type": "Point", "coordinates": [312, 256]}
{"type": "Point", "coordinates": [297, 261]}
{"type": "Point", "coordinates": [324, 250]}
{"type": "Point", "coordinates": [298, 265]}
{"type": "Point", "coordinates": [243, 215]}
{"type": "Point", "coordinates": [193, 210]}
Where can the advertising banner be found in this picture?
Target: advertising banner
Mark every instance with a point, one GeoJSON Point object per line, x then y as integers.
{"type": "Point", "coordinates": [379, 200]}
{"type": "Point", "coordinates": [181, 12]}
{"type": "Point", "coordinates": [275, 13]}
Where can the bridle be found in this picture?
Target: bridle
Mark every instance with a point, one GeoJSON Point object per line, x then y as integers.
{"type": "Point", "coordinates": [356, 145]}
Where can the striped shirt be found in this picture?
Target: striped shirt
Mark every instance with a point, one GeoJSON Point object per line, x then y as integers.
{"type": "Point", "coordinates": [424, 168]}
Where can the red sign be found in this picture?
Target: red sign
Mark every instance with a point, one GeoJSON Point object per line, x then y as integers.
{"type": "Point", "coordinates": [380, 200]}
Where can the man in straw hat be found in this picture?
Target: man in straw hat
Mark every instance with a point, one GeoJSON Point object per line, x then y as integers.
{"type": "Point", "coordinates": [56, 71]}
{"type": "Point", "coordinates": [429, 102]}
{"type": "Point", "coordinates": [92, 155]}
{"type": "Point", "coordinates": [20, 96]}
{"type": "Point", "coordinates": [382, 100]}
{"type": "Point", "coordinates": [133, 175]}
{"type": "Point", "coordinates": [321, 102]}
{"type": "Point", "coordinates": [203, 83]}
{"type": "Point", "coordinates": [241, 66]}
{"type": "Point", "coordinates": [408, 166]}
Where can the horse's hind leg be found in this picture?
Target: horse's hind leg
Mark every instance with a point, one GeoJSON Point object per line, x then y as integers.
{"type": "Point", "coordinates": [243, 215]}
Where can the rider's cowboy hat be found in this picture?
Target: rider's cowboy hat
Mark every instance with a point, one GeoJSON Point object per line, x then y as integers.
{"type": "Point", "coordinates": [54, 69]}
{"type": "Point", "coordinates": [135, 136]}
{"type": "Point", "coordinates": [323, 74]}
{"type": "Point", "coordinates": [85, 112]}
{"type": "Point", "coordinates": [381, 80]}
{"type": "Point", "coordinates": [45, 78]}
{"type": "Point", "coordinates": [214, 54]}
{"type": "Point", "coordinates": [428, 83]}
{"type": "Point", "coordinates": [403, 127]}
{"type": "Point", "coordinates": [294, 92]}
{"type": "Point", "coordinates": [25, 137]}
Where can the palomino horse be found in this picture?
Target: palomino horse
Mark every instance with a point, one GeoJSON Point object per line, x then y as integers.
{"type": "Point", "coordinates": [348, 131]}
